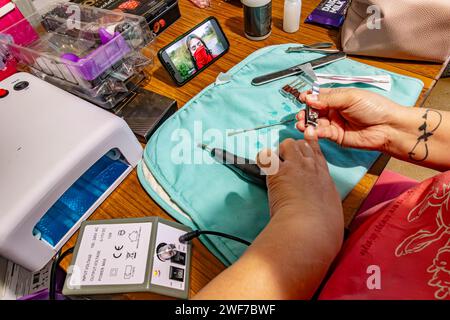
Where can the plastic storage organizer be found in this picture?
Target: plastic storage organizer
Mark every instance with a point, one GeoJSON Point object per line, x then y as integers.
{"type": "Point", "coordinates": [97, 54]}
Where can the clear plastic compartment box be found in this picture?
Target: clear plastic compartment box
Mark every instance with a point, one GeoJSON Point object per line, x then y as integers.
{"type": "Point", "coordinates": [91, 52]}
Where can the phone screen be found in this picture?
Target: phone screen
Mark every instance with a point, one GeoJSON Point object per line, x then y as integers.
{"type": "Point", "coordinates": [194, 51]}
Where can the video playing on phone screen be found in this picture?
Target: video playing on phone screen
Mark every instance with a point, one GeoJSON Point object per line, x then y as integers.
{"type": "Point", "coordinates": [195, 50]}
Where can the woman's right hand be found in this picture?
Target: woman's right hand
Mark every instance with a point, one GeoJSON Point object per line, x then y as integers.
{"type": "Point", "coordinates": [351, 117]}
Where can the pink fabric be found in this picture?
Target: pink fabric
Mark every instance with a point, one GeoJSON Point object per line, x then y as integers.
{"type": "Point", "coordinates": [388, 187]}
{"type": "Point", "coordinates": [402, 251]}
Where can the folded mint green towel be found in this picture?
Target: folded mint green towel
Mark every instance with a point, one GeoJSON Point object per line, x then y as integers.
{"type": "Point", "coordinates": [213, 197]}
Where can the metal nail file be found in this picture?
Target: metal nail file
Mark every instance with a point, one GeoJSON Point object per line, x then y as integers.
{"type": "Point", "coordinates": [247, 169]}
{"type": "Point", "coordinates": [317, 63]}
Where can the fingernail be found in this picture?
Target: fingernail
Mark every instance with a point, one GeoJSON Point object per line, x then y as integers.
{"type": "Point", "coordinates": [312, 97]}
{"type": "Point", "coordinates": [310, 131]}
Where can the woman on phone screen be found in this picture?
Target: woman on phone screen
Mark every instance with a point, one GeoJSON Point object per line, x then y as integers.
{"type": "Point", "coordinates": [199, 52]}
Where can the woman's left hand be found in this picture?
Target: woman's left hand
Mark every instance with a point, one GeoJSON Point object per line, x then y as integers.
{"type": "Point", "coordinates": [299, 182]}
{"type": "Point", "coordinates": [291, 256]}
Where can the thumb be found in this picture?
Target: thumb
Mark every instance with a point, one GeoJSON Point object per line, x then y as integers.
{"type": "Point", "coordinates": [331, 99]}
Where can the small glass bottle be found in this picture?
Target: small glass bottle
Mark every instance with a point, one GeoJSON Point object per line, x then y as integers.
{"type": "Point", "coordinates": [291, 19]}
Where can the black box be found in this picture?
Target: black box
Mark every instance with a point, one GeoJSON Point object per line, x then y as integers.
{"type": "Point", "coordinates": [144, 111]}
{"type": "Point", "coordinates": [159, 13]}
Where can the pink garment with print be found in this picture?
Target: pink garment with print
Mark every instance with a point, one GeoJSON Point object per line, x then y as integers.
{"type": "Point", "coordinates": [388, 186]}
{"type": "Point", "coordinates": [400, 247]}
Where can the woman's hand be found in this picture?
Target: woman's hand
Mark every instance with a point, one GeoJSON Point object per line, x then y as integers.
{"type": "Point", "coordinates": [290, 257]}
{"type": "Point", "coordinates": [299, 182]}
{"type": "Point", "coordinates": [300, 189]}
{"type": "Point", "coordinates": [352, 117]}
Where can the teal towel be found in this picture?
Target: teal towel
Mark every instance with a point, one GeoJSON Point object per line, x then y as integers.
{"type": "Point", "coordinates": [213, 196]}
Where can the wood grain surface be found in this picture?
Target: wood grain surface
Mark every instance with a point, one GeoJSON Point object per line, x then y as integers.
{"type": "Point", "coordinates": [130, 200]}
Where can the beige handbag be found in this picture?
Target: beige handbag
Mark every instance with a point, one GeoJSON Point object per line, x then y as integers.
{"type": "Point", "coordinates": [402, 29]}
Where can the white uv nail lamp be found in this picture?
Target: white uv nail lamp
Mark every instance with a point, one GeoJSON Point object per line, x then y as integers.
{"type": "Point", "coordinates": [60, 157]}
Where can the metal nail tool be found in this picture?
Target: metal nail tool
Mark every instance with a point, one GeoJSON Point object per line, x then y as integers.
{"type": "Point", "coordinates": [296, 49]}
{"type": "Point", "coordinates": [295, 70]}
{"type": "Point", "coordinates": [261, 127]}
{"type": "Point", "coordinates": [292, 90]}
{"type": "Point", "coordinates": [316, 47]}
{"type": "Point", "coordinates": [311, 115]}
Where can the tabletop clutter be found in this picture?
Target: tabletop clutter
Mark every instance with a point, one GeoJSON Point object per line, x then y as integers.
{"type": "Point", "coordinates": [103, 57]}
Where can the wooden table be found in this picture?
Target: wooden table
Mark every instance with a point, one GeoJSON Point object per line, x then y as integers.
{"type": "Point", "coordinates": [130, 200]}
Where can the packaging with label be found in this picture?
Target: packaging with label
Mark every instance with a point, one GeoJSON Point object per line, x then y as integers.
{"type": "Point", "coordinates": [16, 281]}
{"type": "Point", "coordinates": [99, 55]}
{"type": "Point", "coordinates": [329, 13]}
{"type": "Point", "coordinates": [159, 13]}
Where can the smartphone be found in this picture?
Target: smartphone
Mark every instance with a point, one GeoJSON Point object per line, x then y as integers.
{"type": "Point", "coordinates": [194, 51]}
